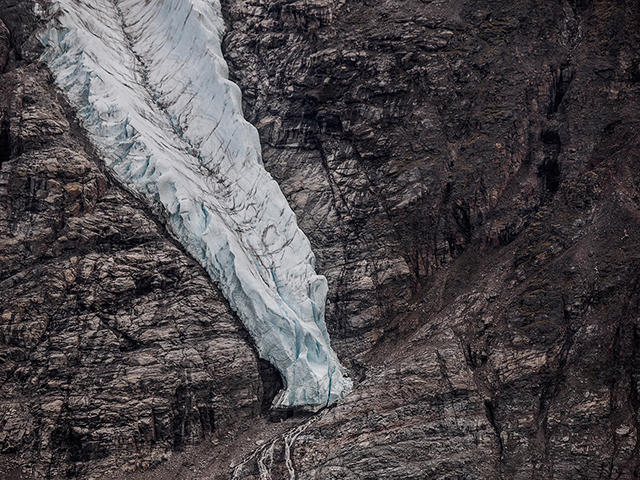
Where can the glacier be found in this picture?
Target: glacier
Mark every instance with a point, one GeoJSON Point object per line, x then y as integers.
{"type": "Point", "coordinates": [149, 85]}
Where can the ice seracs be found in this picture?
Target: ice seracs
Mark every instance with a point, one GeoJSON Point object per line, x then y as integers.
{"type": "Point", "coordinates": [150, 86]}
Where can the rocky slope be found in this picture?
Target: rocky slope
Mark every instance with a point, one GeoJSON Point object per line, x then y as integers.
{"type": "Point", "coordinates": [468, 175]}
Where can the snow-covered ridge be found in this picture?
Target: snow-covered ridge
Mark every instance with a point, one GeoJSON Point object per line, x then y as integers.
{"type": "Point", "coordinates": [150, 86]}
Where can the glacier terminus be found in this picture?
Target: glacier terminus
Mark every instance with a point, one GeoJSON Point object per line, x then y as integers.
{"type": "Point", "coordinates": [149, 85]}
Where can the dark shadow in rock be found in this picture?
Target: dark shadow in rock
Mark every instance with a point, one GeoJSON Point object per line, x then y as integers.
{"type": "Point", "coordinates": [549, 171]}
{"type": "Point", "coordinates": [5, 140]}
{"type": "Point", "coordinates": [562, 79]}
{"type": "Point", "coordinates": [271, 384]}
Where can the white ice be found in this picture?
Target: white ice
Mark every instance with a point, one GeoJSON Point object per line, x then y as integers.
{"type": "Point", "coordinates": [150, 86]}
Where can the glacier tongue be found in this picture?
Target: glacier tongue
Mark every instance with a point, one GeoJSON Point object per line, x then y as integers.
{"type": "Point", "coordinates": [150, 86]}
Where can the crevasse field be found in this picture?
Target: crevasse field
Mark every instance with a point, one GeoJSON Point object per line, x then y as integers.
{"type": "Point", "coordinates": [149, 84]}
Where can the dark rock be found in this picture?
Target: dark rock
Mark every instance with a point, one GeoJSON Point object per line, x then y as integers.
{"type": "Point", "coordinates": [474, 215]}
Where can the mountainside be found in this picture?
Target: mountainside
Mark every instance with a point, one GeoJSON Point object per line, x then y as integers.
{"type": "Point", "coordinates": [468, 175]}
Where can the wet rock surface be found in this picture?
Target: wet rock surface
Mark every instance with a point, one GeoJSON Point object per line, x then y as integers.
{"type": "Point", "coordinates": [468, 175]}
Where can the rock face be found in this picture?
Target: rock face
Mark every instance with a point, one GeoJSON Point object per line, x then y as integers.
{"type": "Point", "coordinates": [150, 87]}
{"type": "Point", "coordinates": [468, 175]}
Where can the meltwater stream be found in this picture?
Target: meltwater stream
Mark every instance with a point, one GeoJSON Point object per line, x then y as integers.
{"type": "Point", "coordinates": [150, 87]}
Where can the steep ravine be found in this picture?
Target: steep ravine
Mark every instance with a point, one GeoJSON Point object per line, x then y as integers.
{"type": "Point", "coordinates": [468, 174]}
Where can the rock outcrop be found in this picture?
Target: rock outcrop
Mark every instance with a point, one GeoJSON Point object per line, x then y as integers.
{"type": "Point", "coordinates": [468, 175]}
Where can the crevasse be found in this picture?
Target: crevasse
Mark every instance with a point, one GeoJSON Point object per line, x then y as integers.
{"type": "Point", "coordinates": [150, 87]}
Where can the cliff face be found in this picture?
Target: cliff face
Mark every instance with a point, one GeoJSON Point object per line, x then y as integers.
{"type": "Point", "coordinates": [468, 174]}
